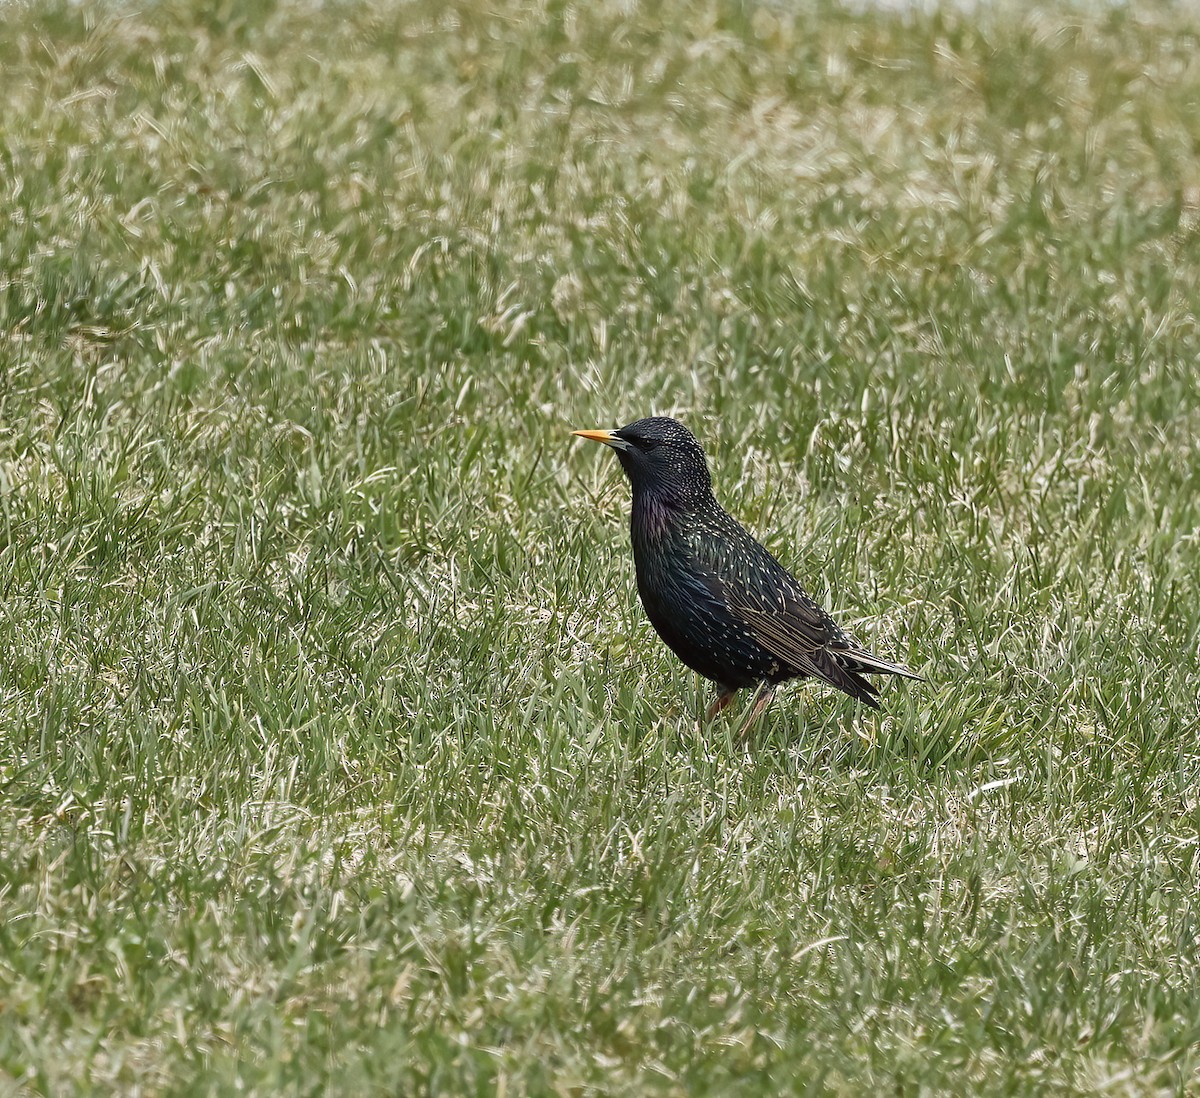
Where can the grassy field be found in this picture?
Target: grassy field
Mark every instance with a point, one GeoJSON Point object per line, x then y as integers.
{"type": "Point", "coordinates": [337, 755]}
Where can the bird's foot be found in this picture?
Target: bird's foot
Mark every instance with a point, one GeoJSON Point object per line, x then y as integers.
{"type": "Point", "coordinates": [722, 701]}
{"type": "Point", "coordinates": [765, 693]}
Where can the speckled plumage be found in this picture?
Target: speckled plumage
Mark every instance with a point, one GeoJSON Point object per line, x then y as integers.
{"type": "Point", "coordinates": [720, 601]}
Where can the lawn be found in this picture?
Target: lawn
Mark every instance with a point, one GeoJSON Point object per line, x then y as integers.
{"type": "Point", "coordinates": [337, 754]}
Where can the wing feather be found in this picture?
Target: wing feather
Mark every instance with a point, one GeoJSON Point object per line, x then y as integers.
{"type": "Point", "coordinates": [782, 617]}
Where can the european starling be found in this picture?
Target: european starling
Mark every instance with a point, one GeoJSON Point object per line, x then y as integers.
{"type": "Point", "coordinates": [723, 604]}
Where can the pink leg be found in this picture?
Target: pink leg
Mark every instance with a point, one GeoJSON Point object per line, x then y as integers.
{"type": "Point", "coordinates": [721, 701]}
{"type": "Point", "coordinates": [765, 693]}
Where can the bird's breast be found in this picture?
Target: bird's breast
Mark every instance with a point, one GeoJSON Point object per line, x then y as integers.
{"type": "Point", "coordinates": [687, 611]}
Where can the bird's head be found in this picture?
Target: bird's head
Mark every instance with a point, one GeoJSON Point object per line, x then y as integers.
{"type": "Point", "coordinates": [661, 457]}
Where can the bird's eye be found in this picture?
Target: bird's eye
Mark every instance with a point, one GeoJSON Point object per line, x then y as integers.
{"type": "Point", "coordinates": [647, 444]}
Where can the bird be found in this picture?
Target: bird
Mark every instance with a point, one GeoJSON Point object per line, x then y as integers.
{"type": "Point", "coordinates": [721, 602]}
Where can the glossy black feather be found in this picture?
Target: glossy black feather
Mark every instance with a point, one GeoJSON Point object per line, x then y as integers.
{"type": "Point", "coordinates": [721, 602]}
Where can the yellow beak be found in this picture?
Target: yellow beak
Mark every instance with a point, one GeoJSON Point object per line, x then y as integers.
{"type": "Point", "coordinates": [609, 438]}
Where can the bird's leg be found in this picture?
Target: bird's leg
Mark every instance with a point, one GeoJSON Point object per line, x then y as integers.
{"type": "Point", "coordinates": [721, 701]}
{"type": "Point", "coordinates": [765, 693]}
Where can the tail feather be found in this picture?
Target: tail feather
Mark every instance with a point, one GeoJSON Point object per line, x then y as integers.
{"type": "Point", "coordinates": [863, 689]}
{"type": "Point", "coordinates": [837, 672]}
{"type": "Point", "coordinates": [860, 661]}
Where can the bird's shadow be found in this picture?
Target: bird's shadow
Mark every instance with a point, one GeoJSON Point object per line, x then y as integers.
{"type": "Point", "coordinates": [807, 734]}
{"type": "Point", "coordinates": [830, 740]}
{"type": "Point", "coordinates": [804, 730]}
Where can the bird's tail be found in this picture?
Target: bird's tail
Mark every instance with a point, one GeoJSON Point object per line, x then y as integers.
{"type": "Point", "coordinates": [863, 662]}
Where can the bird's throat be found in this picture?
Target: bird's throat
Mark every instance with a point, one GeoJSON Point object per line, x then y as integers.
{"type": "Point", "coordinates": [653, 519]}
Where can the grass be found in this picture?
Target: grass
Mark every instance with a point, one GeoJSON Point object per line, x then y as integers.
{"type": "Point", "coordinates": [338, 756]}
